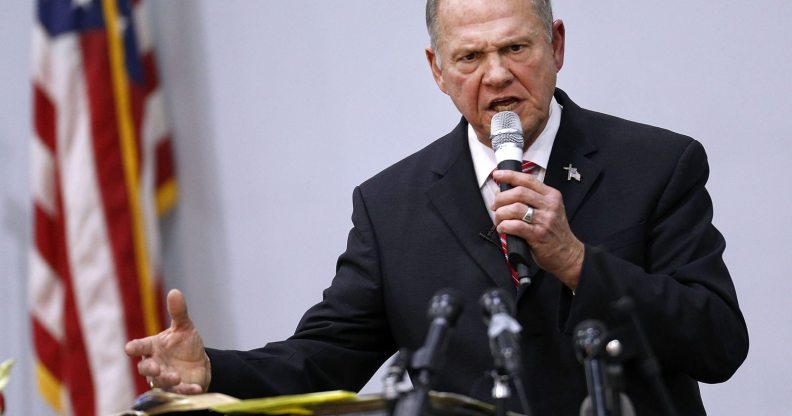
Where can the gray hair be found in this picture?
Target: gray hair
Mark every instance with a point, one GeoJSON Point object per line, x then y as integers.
{"type": "Point", "coordinates": [542, 8]}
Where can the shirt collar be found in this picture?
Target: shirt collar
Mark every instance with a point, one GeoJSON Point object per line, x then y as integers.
{"type": "Point", "coordinates": [538, 153]}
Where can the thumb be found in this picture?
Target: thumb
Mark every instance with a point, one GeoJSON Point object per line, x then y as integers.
{"type": "Point", "coordinates": [177, 309]}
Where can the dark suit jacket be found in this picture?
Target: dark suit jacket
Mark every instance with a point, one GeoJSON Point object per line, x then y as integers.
{"type": "Point", "coordinates": [645, 218]}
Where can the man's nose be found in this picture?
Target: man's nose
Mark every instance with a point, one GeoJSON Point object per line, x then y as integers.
{"type": "Point", "coordinates": [497, 73]}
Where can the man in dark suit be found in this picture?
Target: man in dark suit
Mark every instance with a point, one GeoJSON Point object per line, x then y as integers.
{"type": "Point", "coordinates": [615, 208]}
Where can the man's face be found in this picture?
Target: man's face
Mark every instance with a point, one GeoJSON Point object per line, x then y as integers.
{"type": "Point", "coordinates": [494, 55]}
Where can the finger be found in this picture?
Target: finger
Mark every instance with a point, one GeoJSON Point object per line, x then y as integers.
{"type": "Point", "coordinates": [167, 379]}
{"type": "Point", "coordinates": [160, 383]}
{"type": "Point", "coordinates": [177, 309]}
{"type": "Point", "coordinates": [148, 367]}
{"type": "Point", "coordinates": [514, 211]}
{"type": "Point", "coordinates": [156, 377]}
{"type": "Point", "coordinates": [139, 347]}
{"type": "Point", "coordinates": [521, 195]}
{"type": "Point", "coordinates": [519, 228]}
{"type": "Point", "coordinates": [187, 389]}
{"type": "Point", "coordinates": [172, 382]}
{"type": "Point", "coordinates": [518, 179]}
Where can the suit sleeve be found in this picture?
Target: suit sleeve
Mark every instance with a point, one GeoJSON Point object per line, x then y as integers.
{"type": "Point", "coordinates": [339, 343]}
{"type": "Point", "coordinates": [683, 293]}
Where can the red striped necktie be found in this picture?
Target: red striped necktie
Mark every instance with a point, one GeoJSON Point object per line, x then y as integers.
{"type": "Point", "coordinates": [530, 168]}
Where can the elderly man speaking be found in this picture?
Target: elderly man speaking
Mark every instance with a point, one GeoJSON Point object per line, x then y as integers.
{"type": "Point", "coordinates": [607, 207]}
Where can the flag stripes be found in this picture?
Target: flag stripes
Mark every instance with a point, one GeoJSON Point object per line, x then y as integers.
{"type": "Point", "coordinates": [102, 172]}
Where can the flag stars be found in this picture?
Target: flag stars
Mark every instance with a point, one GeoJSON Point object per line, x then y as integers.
{"type": "Point", "coordinates": [82, 4]}
{"type": "Point", "coordinates": [123, 24]}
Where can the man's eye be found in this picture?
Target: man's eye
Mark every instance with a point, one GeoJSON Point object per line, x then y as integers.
{"type": "Point", "coordinates": [469, 57]}
{"type": "Point", "coordinates": [516, 48]}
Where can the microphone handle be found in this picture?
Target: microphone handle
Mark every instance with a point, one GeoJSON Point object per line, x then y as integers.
{"type": "Point", "coordinates": [517, 249]}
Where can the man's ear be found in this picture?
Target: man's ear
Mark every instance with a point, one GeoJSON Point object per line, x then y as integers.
{"type": "Point", "coordinates": [437, 73]}
{"type": "Point", "coordinates": [559, 33]}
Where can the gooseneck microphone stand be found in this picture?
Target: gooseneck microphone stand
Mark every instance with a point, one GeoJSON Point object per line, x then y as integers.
{"type": "Point", "coordinates": [444, 310]}
{"type": "Point", "coordinates": [504, 335]}
{"type": "Point", "coordinates": [393, 377]}
{"type": "Point", "coordinates": [601, 356]}
{"type": "Point", "coordinates": [589, 336]}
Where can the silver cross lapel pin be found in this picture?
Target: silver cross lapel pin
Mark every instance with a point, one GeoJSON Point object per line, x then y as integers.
{"type": "Point", "coordinates": [572, 173]}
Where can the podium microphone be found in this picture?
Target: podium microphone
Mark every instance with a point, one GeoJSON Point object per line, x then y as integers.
{"type": "Point", "coordinates": [589, 336]}
{"type": "Point", "coordinates": [506, 135]}
{"type": "Point", "coordinates": [444, 310]}
{"type": "Point", "coordinates": [503, 330]}
{"type": "Point", "coordinates": [504, 335]}
{"type": "Point", "coordinates": [602, 377]}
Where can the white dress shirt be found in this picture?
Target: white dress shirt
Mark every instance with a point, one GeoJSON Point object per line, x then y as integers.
{"type": "Point", "coordinates": [538, 153]}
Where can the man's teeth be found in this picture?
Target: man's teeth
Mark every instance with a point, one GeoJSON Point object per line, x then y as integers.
{"type": "Point", "coordinates": [503, 107]}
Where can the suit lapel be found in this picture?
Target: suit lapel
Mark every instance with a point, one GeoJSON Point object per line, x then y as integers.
{"type": "Point", "coordinates": [457, 200]}
{"type": "Point", "coordinates": [573, 191]}
{"type": "Point", "coordinates": [572, 147]}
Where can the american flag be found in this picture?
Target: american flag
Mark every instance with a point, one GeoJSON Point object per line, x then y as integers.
{"type": "Point", "coordinates": [102, 174]}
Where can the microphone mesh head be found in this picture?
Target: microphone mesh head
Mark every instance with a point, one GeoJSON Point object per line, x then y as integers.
{"type": "Point", "coordinates": [445, 305]}
{"type": "Point", "coordinates": [588, 336]}
{"type": "Point", "coordinates": [496, 301]}
{"type": "Point", "coordinates": [506, 129]}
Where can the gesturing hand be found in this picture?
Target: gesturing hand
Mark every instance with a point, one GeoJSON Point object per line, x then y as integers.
{"type": "Point", "coordinates": [553, 245]}
{"type": "Point", "coordinates": [174, 359]}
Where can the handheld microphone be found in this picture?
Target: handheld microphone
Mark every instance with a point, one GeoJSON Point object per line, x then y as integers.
{"type": "Point", "coordinates": [506, 135]}
{"type": "Point", "coordinates": [503, 330]}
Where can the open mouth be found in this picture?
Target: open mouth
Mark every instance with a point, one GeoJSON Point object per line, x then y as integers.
{"type": "Point", "coordinates": [503, 104]}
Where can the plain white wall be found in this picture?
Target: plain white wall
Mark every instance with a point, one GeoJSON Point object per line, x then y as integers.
{"type": "Point", "coordinates": [15, 121]}
{"type": "Point", "coordinates": [280, 108]}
